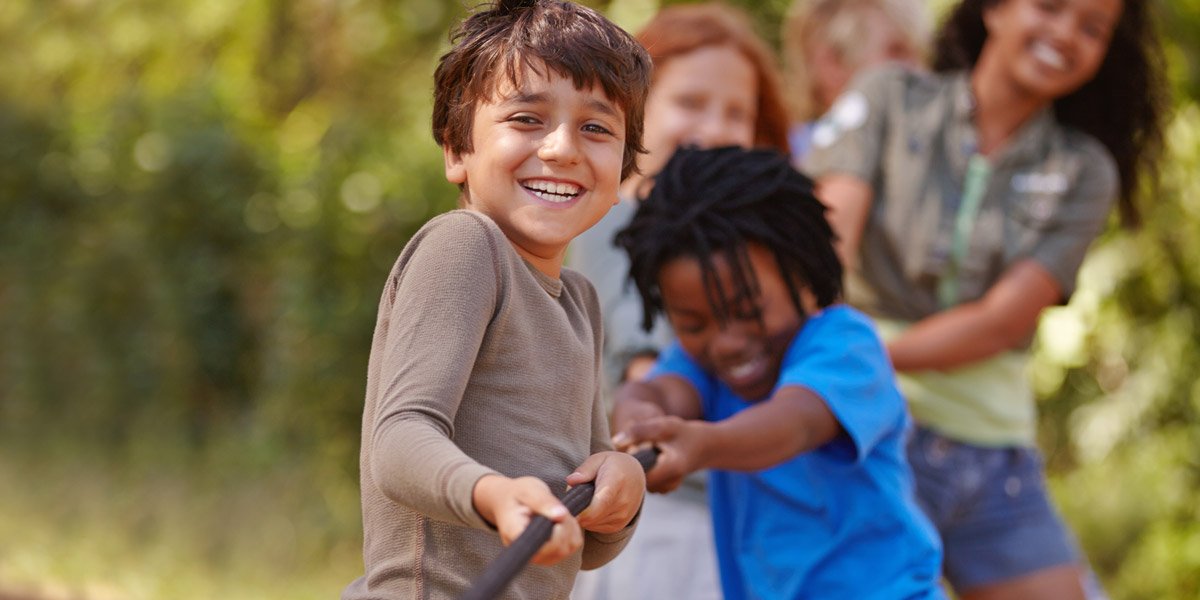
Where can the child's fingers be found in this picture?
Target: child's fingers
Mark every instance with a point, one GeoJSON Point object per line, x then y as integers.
{"type": "Point", "coordinates": [658, 429]}
{"type": "Point", "coordinates": [668, 471]}
{"type": "Point", "coordinates": [623, 442]}
{"type": "Point", "coordinates": [620, 485]}
{"type": "Point", "coordinates": [565, 538]}
{"type": "Point", "coordinates": [544, 503]}
{"type": "Point", "coordinates": [588, 470]}
{"type": "Point", "coordinates": [530, 496]}
{"type": "Point", "coordinates": [611, 509]}
{"type": "Point", "coordinates": [663, 483]}
{"type": "Point", "coordinates": [628, 412]}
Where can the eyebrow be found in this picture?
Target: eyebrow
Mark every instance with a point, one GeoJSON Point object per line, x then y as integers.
{"type": "Point", "coordinates": [539, 97]}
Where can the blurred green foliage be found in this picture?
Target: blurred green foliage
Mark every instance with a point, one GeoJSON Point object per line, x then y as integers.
{"type": "Point", "coordinates": [199, 201]}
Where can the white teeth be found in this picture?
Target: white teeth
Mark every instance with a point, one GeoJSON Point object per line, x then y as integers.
{"type": "Point", "coordinates": [1050, 56]}
{"type": "Point", "coordinates": [743, 370]}
{"type": "Point", "coordinates": [552, 191]}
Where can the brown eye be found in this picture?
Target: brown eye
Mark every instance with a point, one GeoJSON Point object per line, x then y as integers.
{"type": "Point", "coordinates": [594, 128]}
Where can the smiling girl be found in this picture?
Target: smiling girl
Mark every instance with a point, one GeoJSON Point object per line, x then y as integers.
{"type": "Point", "coordinates": [965, 202]}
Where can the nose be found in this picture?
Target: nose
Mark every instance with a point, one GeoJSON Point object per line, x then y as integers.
{"type": "Point", "coordinates": [711, 131]}
{"type": "Point", "coordinates": [716, 128]}
{"type": "Point", "coordinates": [1063, 29]}
{"type": "Point", "coordinates": [560, 146]}
{"type": "Point", "coordinates": [728, 343]}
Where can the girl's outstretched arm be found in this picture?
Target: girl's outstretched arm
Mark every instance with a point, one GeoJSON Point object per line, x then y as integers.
{"type": "Point", "coordinates": [1003, 319]}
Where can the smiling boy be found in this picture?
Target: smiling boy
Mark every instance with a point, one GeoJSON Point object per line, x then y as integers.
{"type": "Point", "coordinates": [483, 388]}
{"type": "Point", "coordinates": [786, 396]}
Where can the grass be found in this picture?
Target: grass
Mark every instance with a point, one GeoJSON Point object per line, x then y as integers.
{"type": "Point", "coordinates": [76, 525]}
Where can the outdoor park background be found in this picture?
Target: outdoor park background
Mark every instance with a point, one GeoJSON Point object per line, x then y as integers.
{"type": "Point", "coordinates": [199, 202]}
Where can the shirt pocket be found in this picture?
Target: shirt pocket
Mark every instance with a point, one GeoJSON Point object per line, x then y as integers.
{"type": "Point", "coordinates": [1031, 216]}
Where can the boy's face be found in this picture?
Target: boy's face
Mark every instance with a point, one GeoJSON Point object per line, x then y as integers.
{"type": "Point", "coordinates": [546, 163]}
{"type": "Point", "coordinates": [746, 350]}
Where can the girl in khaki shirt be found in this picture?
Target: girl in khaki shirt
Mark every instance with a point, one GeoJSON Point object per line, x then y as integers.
{"type": "Point", "coordinates": [965, 201]}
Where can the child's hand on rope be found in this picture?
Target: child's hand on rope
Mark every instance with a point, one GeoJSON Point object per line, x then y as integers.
{"type": "Point", "coordinates": [620, 486]}
{"type": "Point", "coordinates": [681, 442]}
{"type": "Point", "coordinates": [629, 410]}
{"type": "Point", "coordinates": [510, 503]}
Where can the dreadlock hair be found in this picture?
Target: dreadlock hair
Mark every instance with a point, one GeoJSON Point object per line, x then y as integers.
{"type": "Point", "coordinates": [1124, 106]}
{"type": "Point", "coordinates": [719, 200]}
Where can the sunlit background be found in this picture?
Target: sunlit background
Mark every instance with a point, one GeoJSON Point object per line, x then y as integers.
{"type": "Point", "coordinates": [199, 202]}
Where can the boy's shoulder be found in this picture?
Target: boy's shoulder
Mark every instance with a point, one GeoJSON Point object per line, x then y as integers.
{"type": "Point", "coordinates": [457, 243]}
{"type": "Point", "coordinates": [839, 336]}
{"type": "Point", "coordinates": [839, 318]}
{"type": "Point", "coordinates": [461, 222]}
{"type": "Point", "coordinates": [457, 233]}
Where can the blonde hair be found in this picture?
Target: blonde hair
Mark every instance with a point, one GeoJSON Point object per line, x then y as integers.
{"type": "Point", "coordinates": [841, 25]}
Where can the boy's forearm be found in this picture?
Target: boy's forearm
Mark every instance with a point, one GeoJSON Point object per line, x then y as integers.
{"type": "Point", "coordinates": [416, 466]}
{"type": "Point", "coordinates": [793, 421]}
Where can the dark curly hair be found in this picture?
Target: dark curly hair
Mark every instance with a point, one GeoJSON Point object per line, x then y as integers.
{"type": "Point", "coordinates": [719, 200]}
{"type": "Point", "coordinates": [574, 41]}
{"type": "Point", "coordinates": [1124, 106]}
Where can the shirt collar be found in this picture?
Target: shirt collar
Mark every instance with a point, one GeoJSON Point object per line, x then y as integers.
{"type": "Point", "coordinates": [1026, 141]}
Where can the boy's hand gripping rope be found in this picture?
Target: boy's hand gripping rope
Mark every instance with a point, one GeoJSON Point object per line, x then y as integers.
{"type": "Point", "coordinates": [512, 559]}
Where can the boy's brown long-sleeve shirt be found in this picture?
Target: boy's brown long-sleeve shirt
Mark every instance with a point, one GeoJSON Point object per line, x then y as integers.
{"type": "Point", "coordinates": [480, 364]}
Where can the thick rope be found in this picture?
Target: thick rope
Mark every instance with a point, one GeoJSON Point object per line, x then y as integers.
{"type": "Point", "coordinates": [512, 559]}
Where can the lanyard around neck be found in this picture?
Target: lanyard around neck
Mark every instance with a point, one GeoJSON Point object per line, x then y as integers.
{"type": "Point", "coordinates": [979, 170]}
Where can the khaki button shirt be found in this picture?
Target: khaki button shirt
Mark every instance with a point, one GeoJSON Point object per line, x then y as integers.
{"type": "Point", "coordinates": [910, 136]}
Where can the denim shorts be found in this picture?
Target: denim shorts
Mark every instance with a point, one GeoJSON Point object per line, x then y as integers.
{"type": "Point", "coordinates": [991, 508]}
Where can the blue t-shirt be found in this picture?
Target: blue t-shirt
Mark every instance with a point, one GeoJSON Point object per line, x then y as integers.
{"type": "Point", "coordinates": [841, 520]}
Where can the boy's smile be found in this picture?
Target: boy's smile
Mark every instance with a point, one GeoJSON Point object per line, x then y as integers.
{"type": "Point", "coordinates": [743, 348]}
{"type": "Point", "coordinates": [545, 164]}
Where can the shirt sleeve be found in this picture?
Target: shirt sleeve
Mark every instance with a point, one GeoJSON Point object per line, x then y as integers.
{"type": "Point", "coordinates": [844, 362]}
{"type": "Point", "coordinates": [438, 302]}
{"type": "Point", "coordinates": [849, 138]}
{"type": "Point", "coordinates": [1080, 218]}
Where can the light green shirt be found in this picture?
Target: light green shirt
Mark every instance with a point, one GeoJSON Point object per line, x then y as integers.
{"type": "Point", "coordinates": [946, 223]}
{"type": "Point", "coordinates": [988, 403]}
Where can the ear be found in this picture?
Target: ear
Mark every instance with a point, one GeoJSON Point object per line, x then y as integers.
{"type": "Point", "coordinates": [456, 168]}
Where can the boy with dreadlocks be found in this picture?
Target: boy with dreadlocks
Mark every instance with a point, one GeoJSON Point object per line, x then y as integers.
{"type": "Point", "coordinates": [483, 389]}
{"type": "Point", "coordinates": [785, 395]}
